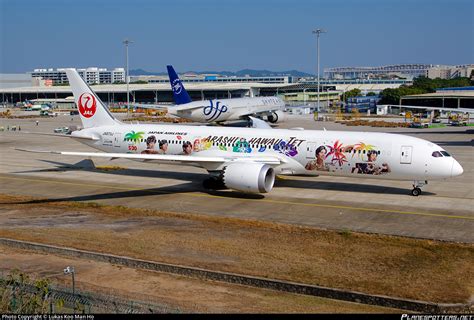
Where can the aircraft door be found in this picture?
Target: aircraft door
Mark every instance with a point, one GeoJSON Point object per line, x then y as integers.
{"type": "Point", "coordinates": [117, 139]}
{"type": "Point", "coordinates": [311, 149]}
{"type": "Point", "coordinates": [405, 154]}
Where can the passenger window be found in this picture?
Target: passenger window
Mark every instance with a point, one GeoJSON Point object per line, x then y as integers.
{"type": "Point", "coordinates": [444, 153]}
{"type": "Point", "coordinates": [437, 154]}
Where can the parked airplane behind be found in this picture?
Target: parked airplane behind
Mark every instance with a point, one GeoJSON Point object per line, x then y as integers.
{"type": "Point", "coordinates": [247, 160]}
{"type": "Point", "coordinates": [220, 110]}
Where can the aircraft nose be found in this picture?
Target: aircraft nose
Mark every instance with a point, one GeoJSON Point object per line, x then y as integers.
{"type": "Point", "coordinates": [456, 169]}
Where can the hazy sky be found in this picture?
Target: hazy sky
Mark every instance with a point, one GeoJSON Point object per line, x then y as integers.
{"type": "Point", "coordinates": [233, 35]}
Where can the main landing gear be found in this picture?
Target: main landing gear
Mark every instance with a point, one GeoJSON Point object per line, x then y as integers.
{"type": "Point", "coordinates": [214, 183]}
{"type": "Point", "coordinates": [417, 185]}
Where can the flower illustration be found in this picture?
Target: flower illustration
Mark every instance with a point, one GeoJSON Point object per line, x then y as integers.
{"type": "Point", "coordinates": [242, 146]}
{"type": "Point", "coordinates": [286, 149]}
{"type": "Point", "coordinates": [337, 153]}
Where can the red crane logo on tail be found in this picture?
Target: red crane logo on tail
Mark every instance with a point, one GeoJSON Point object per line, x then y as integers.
{"type": "Point", "coordinates": [87, 105]}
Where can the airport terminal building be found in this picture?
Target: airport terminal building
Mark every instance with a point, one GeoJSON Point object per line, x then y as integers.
{"type": "Point", "coordinates": [462, 97]}
{"type": "Point", "coordinates": [44, 84]}
{"type": "Point", "coordinates": [408, 71]}
{"type": "Point", "coordinates": [92, 75]}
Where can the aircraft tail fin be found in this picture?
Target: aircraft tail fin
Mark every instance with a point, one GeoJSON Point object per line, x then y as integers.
{"type": "Point", "coordinates": [180, 94]}
{"type": "Point", "coordinates": [92, 110]}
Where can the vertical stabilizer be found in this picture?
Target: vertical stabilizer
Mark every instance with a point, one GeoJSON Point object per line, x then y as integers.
{"type": "Point", "coordinates": [180, 94]}
{"type": "Point", "coordinates": [92, 110]}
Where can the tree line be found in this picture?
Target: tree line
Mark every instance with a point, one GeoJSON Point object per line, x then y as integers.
{"type": "Point", "coordinates": [422, 85]}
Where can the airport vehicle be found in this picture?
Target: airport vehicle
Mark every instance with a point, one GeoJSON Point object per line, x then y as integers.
{"type": "Point", "coordinates": [436, 119]}
{"type": "Point", "coordinates": [220, 110]}
{"type": "Point", "coordinates": [247, 159]}
{"type": "Point", "coordinates": [458, 119]}
{"type": "Point", "coordinates": [65, 130]}
{"type": "Point", "coordinates": [420, 122]}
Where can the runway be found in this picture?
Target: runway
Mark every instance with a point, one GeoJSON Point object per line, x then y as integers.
{"type": "Point", "coordinates": [443, 212]}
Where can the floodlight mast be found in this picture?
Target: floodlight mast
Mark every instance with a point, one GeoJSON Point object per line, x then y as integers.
{"type": "Point", "coordinates": [318, 33]}
{"type": "Point", "coordinates": [126, 42]}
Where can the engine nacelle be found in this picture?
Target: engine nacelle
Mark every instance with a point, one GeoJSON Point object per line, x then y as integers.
{"type": "Point", "coordinates": [276, 116]}
{"type": "Point", "coordinates": [249, 177]}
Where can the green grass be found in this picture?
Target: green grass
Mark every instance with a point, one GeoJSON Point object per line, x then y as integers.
{"type": "Point", "coordinates": [380, 264]}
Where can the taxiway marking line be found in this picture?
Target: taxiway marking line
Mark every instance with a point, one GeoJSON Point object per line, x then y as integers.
{"type": "Point", "coordinates": [260, 200]}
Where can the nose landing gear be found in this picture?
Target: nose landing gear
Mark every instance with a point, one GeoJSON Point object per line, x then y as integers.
{"type": "Point", "coordinates": [417, 185]}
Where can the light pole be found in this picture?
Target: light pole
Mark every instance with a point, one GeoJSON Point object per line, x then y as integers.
{"type": "Point", "coordinates": [318, 33]}
{"type": "Point", "coordinates": [70, 270]}
{"type": "Point", "coordinates": [126, 42]}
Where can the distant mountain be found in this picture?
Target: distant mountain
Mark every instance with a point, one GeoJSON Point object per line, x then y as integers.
{"type": "Point", "coordinates": [141, 72]}
{"type": "Point", "coordinates": [241, 73]}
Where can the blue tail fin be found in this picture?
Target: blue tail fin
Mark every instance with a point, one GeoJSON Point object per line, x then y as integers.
{"type": "Point", "coordinates": [180, 94]}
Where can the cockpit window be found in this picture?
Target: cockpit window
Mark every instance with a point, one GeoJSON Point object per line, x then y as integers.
{"type": "Point", "coordinates": [444, 153]}
{"type": "Point", "coordinates": [437, 154]}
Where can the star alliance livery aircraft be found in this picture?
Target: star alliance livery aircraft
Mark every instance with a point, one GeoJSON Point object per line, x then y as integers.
{"type": "Point", "coordinates": [247, 159]}
{"type": "Point", "coordinates": [220, 110]}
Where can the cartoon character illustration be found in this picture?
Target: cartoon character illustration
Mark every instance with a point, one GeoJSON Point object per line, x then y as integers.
{"type": "Point", "coordinates": [318, 163]}
{"type": "Point", "coordinates": [150, 145]}
{"type": "Point", "coordinates": [187, 148]}
{"type": "Point", "coordinates": [242, 146]}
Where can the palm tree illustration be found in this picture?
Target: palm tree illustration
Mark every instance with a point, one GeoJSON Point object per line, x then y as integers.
{"type": "Point", "coordinates": [134, 136]}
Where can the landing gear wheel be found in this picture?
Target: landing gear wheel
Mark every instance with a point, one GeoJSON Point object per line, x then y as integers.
{"type": "Point", "coordinates": [416, 192]}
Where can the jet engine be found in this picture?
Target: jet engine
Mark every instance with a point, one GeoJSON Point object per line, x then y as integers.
{"type": "Point", "coordinates": [249, 177]}
{"type": "Point", "coordinates": [276, 116]}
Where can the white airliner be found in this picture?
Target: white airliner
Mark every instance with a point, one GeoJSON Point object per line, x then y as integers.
{"type": "Point", "coordinates": [247, 159]}
{"type": "Point", "coordinates": [220, 110]}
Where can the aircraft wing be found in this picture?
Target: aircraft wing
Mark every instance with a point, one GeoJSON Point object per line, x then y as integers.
{"type": "Point", "coordinates": [76, 136]}
{"type": "Point", "coordinates": [274, 161]}
{"type": "Point", "coordinates": [264, 110]}
{"type": "Point", "coordinates": [151, 106]}
{"type": "Point", "coordinates": [259, 124]}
